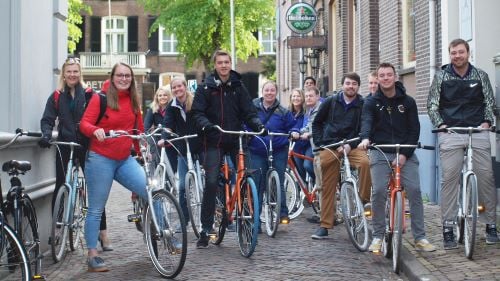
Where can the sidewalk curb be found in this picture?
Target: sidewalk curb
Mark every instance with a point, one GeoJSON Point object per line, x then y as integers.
{"type": "Point", "coordinates": [414, 269]}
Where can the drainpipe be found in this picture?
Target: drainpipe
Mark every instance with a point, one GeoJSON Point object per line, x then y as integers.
{"type": "Point", "coordinates": [432, 71]}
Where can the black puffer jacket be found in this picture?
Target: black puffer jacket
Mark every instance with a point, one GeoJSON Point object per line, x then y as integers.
{"type": "Point", "coordinates": [333, 123]}
{"type": "Point", "coordinates": [391, 120]}
{"type": "Point", "coordinates": [228, 105]}
{"type": "Point", "coordinates": [69, 111]}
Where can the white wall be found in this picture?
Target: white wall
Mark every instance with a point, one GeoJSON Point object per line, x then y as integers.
{"type": "Point", "coordinates": [32, 48]}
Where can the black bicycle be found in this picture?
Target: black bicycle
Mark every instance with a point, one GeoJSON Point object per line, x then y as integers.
{"type": "Point", "coordinates": [18, 206]}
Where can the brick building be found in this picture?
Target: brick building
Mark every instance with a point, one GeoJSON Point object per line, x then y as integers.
{"type": "Point", "coordinates": [154, 57]}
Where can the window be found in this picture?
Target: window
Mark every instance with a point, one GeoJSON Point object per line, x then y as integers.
{"type": "Point", "coordinates": [168, 42]}
{"type": "Point", "coordinates": [268, 42]}
{"type": "Point", "coordinates": [114, 33]}
{"type": "Point", "coordinates": [408, 33]}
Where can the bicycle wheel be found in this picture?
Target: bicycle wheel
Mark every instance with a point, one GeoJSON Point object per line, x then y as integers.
{"type": "Point", "coordinates": [14, 262]}
{"type": "Point", "coordinates": [387, 239]}
{"type": "Point", "coordinates": [193, 200]}
{"type": "Point", "coordinates": [470, 218]}
{"type": "Point", "coordinates": [272, 203]}
{"type": "Point", "coordinates": [30, 239]}
{"type": "Point", "coordinates": [354, 217]}
{"type": "Point", "coordinates": [397, 235]}
{"type": "Point", "coordinates": [295, 208]}
{"type": "Point", "coordinates": [247, 217]}
{"type": "Point", "coordinates": [79, 216]}
{"type": "Point", "coordinates": [59, 230]}
{"type": "Point", "coordinates": [168, 246]}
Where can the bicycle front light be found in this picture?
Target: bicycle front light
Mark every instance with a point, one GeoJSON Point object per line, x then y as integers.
{"type": "Point", "coordinates": [481, 208]}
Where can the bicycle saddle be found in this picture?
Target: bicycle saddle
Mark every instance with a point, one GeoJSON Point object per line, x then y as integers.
{"type": "Point", "coordinates": [17, 166]}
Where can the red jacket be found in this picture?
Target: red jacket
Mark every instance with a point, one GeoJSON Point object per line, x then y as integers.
{"type": "Point", "coordinates": [122, 119]}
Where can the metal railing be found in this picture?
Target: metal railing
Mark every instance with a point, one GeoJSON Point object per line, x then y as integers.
{"type": "Point", "coordinates": [105, 60]}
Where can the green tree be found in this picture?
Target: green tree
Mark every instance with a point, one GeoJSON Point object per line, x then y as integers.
{"type": "Point", "coordinates": [75, 7]}
{"type": "Point", "coordinates": [201, 27]}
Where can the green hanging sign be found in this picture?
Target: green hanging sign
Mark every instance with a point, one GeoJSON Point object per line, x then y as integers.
{"type": "Point", "coordinates": [301, 18]}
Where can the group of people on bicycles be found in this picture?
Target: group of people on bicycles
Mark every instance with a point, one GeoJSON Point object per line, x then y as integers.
{"type": "Point", "coordinates": [460, 95]}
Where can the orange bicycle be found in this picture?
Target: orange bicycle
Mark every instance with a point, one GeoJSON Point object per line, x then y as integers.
{"type": "Point", "coordinates": [395, 206]}
{"type": "Point", "coordinates": [294, 183]}
{"type": "Point", "coordinates": [243, 199]}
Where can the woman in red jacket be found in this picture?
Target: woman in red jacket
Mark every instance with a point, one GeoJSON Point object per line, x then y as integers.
{"type": "Point", "coordinates": [109, 159]}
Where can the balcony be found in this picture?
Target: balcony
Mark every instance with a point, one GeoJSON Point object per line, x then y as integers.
{"type": "Point", "coordinates": [92, 60]}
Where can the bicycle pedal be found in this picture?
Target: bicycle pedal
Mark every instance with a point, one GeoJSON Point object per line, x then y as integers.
{"type": "Point", "coordinates": [38, 277]}
{"type": "Point", "coordinates": [134, 218]}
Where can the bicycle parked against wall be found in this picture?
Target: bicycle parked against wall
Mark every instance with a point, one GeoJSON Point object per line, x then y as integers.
{"type": "Point", "coordinates": [70, 208]}
{"type": "Point", "coordinates": [395, 205]}
{"type": "Point", "coordinates": [467, 199]}
{"type": "Point", "coordinates": [301, 193]}
{"type": "Point", "coordinates": [243, 199]}
{"type": "Point", "coordinates": [351, 205]}
{"type": "Point", "coordinates": [19, 258]}
{"type": "Point", "coordinates": [162, 220]}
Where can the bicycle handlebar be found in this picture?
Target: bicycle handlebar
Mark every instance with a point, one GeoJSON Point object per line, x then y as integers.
{"type": "Point", "coordinates": [397, 146]}
{"type": "Point", "coordinates": [71, 143]}
{"type": "Point", "coordinates": [28, 133]}
{"type": "Point", "coordinates": [469, 130]}
{"type": "Point", "coordinates": [181, 138]}
{"type": "Point", "coordinates": [278, 134]}
{"type": "Point", "coordinates": [241, 133]}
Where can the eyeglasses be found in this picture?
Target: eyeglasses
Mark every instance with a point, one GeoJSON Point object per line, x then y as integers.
{"type": "Point", "coordinates": [123, 76]}
{"type": "Point", "coordinates": [72, 60]}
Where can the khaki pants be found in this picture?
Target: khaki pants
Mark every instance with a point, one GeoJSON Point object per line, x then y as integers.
{"type": "Point", "coordinates": [330, 169]}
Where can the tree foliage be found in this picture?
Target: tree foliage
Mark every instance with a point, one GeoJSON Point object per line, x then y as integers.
{"type": "Point", "coordinates": [201, 27]}
{"type": "Point", "coordinates": [75, 7]}
{"type": "Point", "coordinates": [269, 67]}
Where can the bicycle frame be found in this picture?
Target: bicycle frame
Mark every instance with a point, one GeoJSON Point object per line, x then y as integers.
{"type": "Point", "coordinates": [310, 196]}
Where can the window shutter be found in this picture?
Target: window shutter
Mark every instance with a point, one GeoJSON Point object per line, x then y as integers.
{"type": "Point", "coordinates": [153, 38]}
{"type": "Point", "coordinates": [95, 34]}
{"type": "Point", "coordinates": [80, 46]}
{"type": "Point", "coordinates": [133, 34]}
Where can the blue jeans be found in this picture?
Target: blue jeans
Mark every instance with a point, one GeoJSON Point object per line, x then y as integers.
{"type": "Point", "coordinates": [309, 165]}
{"type": "Point", "coordinates": [100, 172]}
{"type": "Point", "coordinates": [261, 164]}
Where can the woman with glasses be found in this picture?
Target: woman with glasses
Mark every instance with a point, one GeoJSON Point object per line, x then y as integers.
{"type": "Point", "coordinates": [109, 159]}
{"type": "Point", "coordinates": [67, 105]}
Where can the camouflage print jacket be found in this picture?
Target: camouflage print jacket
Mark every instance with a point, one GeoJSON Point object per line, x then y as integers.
{"type": "Point", "coordinates": [453, 100]}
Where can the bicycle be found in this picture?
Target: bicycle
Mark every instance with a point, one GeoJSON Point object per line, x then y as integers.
{"type": "Point", "coordinates": [243, 199]}
{"type": "Point", "coordinates": [271, 200]}
{"type": "Point", "coordinates": [163, 224]}
{"type": "Point", "coordinates": [467, 199]}
{"type": "Point", "coordinates": [194, 181]}
{"type": "Point", "coordinates": [70, 208]}
{"type": "Point", "coordinates": [351, 205]}
{"type": "Point", "coordinates": [25, 225]}
{"type": "Point", "coordinates": [395, 205]}
{"type": "Point", "coordinates": [294, 183]}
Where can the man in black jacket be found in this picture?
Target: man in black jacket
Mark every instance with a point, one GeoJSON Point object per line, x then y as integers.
{"type": "Point", "coordinates": [339, 118]}
{"type": "Point", "coordinates": [390, 116]}
{"type": "Point", "coordinates": [221, 100]}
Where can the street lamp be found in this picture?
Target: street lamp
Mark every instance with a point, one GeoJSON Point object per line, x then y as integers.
{"type": "Point", "coordinates": [314, 59]}
{"type": "Point", "coordinates": [302, 66]}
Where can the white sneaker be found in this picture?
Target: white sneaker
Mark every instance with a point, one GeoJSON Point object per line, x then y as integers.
{"type": "Point", "coordinates": [376, 245]}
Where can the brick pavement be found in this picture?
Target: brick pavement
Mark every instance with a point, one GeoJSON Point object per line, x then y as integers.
{"type": "Point", "coordinates": [450, 264]}
{"type": "Point", "coordinates": [292, 255]}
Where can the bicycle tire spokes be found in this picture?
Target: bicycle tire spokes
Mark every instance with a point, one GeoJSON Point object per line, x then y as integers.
{"type": "Point", "coordinates": [354, 218]}
{"type": "Point", "coordinates": [59, 232]}
{"type": "Point", "coordinates": [470, 215]}
{"type": "Point", "coordinates": [247, 217]}
{"type": "Point", "coordinates": [167, 245]}
{"type": "Point", "coordinates": [272, 203]}
{"type": "Point", "coordinates": [397, 234]}
{"type": "Point", "coordinates": [14, 262]}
